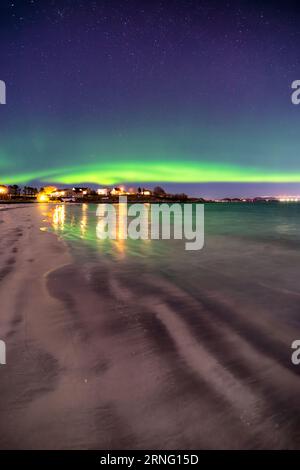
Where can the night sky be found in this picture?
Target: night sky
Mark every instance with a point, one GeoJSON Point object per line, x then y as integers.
{"type": "Point", "coordinates": [181, 93]}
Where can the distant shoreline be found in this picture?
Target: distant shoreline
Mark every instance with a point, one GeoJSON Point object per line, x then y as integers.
{"type": "Point", "coordinates": [145, 201]}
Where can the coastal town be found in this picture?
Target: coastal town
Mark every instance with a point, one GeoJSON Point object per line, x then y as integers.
{"type": "Point", "coordinates": [29, 194]}
{"type": "Point", "coordinates": [15, 194]}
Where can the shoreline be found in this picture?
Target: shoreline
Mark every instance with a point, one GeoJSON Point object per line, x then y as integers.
{"type": "Point", "coordinates": [151, 201]}
{"type": "Point", "coordinates": [28, 257]}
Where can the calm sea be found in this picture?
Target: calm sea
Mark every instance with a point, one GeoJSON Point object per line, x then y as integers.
{"type": "Point", "coordinates": [197, 344]}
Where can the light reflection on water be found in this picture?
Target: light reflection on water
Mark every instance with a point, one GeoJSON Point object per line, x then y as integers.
{"type": "Point", "coordinates": [76, 222]}
{"type": "Point", "coordinates": [279, 222]}
{"type": "Point", "coordinates": [58, 217]}
{"type": "Point", "coordinates": [231, 231]}
{"type": "Point", "coordinates": [241, 240]}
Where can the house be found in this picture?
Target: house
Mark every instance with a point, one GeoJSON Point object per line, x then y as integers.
{"type": "Point", "coordinates": [61, 193]}
{"type": "Point", "coordinates": [103, 191]}
{"type": "Point", "coordinates": [119, 191]}
{"type": "Point", "coordinates": [146, 192]}
{"type": "Point", "coordinates": [80, 192]}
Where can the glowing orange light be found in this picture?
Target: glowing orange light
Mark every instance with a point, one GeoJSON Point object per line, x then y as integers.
{"type": "Point", "coordinates": [42, 197]}
{"type": "Point", "coordinates": [3, 190]}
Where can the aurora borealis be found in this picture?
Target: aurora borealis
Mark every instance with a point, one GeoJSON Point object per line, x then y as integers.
{"type": "Point", "coordinates": [109, 92]}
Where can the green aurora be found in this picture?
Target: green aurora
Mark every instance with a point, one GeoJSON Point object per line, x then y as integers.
{"type": "Point", "coordinates": [146, 155]}
{"type": "Point", "coordinates": [151, 172]}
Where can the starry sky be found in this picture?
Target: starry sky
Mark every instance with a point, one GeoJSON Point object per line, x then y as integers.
{"type": "Point", "coordinates": [192, 95]}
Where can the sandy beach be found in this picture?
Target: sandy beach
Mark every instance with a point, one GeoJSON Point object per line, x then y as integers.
{"type": "Point", "coordinates": [110, 355]}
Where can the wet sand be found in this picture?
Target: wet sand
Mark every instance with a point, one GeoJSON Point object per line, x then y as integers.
{"type": "Point", "coordinates": [108, 355]}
